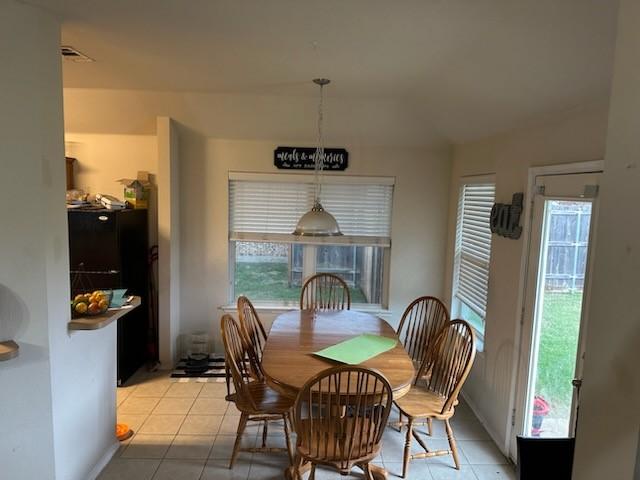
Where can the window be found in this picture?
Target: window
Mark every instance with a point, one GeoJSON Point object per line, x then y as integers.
{"type": "Point", "coordinates": [269, 264]}
{"type": "Point", "coordinates": [473, 251]}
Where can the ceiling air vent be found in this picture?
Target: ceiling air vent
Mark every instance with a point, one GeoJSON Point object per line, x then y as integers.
{"type": "Point", "coordinates": [72, 55]}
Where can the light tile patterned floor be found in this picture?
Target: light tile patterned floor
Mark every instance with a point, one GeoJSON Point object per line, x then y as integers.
{"type": "Point", "coordinates": [185, 431]}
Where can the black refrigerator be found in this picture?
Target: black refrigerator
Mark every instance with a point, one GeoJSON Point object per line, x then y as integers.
{"type": "Point", "coordinates": [109, 249]}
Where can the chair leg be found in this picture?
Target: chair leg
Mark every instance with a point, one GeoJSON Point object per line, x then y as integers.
{"type": "Point", "coordinates": [312, 475]}
{"type": "Point", "coordinates": [452, 444]}
{"type": "Point", "coordinates": [368, 474]}
{"type": "Point", "coordinates": [290, 418]}
{"type": "Point", "coordinates": [264, 434]}
{"type": "Point", "coordinates": [429, 427]}
{"type": "Point", "coordinates": [287, 437]}
{"type": "Point", "coordinates": [407, 448]}
{"type": "Point", "coordinates": [297, 465]}
{"type": "Point", "coordinates": [227, 378]}
{"type": "Point", "coordinates": [236, 446]}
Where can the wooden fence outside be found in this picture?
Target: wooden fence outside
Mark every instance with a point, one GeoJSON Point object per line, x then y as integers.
{"type": "Point", "coordinates": [567, 248]}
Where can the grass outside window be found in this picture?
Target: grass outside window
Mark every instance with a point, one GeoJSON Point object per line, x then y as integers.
{"type": "Point", "coordinates": [558, 349]}
{"type": "Point", "coordinates": [269, 282]}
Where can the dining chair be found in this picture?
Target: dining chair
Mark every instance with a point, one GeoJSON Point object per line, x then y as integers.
{"type": "Point", "coordinates": [253, 397]}
{"type": "Point", "coordinates": [254, 330]}
{"type": "Point", "coordinates": [421, 322]}
{"type": "Point", "coordinates": [256, 335]}
{"type": "Point", "coordinates": [340, 415]}
{"type": "Point", "coordinates": [325, 291]}
{"type": "Point", "coordinates": [434, 393]}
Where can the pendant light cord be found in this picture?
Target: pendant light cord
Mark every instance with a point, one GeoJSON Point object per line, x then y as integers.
{"type": "Point", "coordinates": [319, 160]}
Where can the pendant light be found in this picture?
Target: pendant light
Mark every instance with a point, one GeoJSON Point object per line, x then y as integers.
{"type": "Point", "coordinates": [317, 222]}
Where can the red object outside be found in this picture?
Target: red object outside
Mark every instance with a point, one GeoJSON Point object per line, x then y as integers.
{"type": "Point", "coordinates": [540, 406]}
{"type": "Point", "coordinates": [540, 410]}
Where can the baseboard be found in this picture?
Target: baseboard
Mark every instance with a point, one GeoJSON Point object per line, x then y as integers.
{"type": "Point", "coordinates": [495, 437]}
{"type": "Point", "coordinates": [106, 458]}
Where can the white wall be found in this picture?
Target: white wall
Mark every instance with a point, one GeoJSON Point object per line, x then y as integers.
{"type": "Point", "coordinates": [579, 136]}
{"type": "Point", "coordinates": [636, 473]}
{"type": "Point", "coordinates": [83, 375]}
{"type": "Point", "coordinates": [57, 406]}
{"type": "Point", "coordinates": [607, 438]}
{"type": "Point", "coordinates": [254, 117]}
{"type": "Point", "coordinates": [104, 159]}
{"type": "Point", "coordinates": [29, 160]}
{"type": "Point", "coordinates": [168, 241]}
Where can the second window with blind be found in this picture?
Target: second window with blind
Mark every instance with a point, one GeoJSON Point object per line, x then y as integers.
{"type": "Point", "coordinates": [269, 265]}
{"type": "Point", "coordinates": [473, 251]}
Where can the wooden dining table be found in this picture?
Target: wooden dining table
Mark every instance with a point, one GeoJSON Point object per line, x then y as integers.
{"type": "Point", "coordinates": [288, 359]}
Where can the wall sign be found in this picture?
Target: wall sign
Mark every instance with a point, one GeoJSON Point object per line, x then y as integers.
{"type": "Point", "coordinates": [505, 219]}
{"type": "Point", "coordinates": [303, 158]}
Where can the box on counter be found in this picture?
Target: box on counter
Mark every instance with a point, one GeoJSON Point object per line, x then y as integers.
{"type": "Point", "coordinates": [136, 191]}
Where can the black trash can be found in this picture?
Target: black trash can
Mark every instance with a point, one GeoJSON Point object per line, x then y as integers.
{"type": "Point", "coordinates": [545, 458]}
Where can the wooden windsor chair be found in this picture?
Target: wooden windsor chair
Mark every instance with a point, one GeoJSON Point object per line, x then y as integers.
{"type": "Point", "coordinates": [340, 415]}
{"type": "Point", "coordinates": [436, 388]}
{"type": "Point", "coordinates": [421, 322]}
{"type": "Point", "coordinates": [257, 336]}
{"type": "Point", "coordinates": [253, 397]}
{"type": "Point", "coordinates": [325, 291]}
{"type": "Point", "coordinates": [254, 332]}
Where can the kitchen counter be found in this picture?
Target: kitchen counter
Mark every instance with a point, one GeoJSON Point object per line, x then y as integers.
{"type": "Point", "coordinates": [104, 319]}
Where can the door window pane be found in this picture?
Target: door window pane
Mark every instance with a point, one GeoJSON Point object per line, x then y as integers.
{"type": "Point", "coordinates": [558, 312]}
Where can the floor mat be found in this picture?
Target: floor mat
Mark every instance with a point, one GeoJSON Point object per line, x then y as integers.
{"type": "Point", "coordinates": [213, 373]}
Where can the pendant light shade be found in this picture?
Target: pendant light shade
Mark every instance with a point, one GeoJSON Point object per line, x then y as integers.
{"type": "Point", "coordinates": [317, 222]}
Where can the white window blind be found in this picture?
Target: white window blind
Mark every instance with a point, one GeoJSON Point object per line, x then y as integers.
{"type": "Point", "coordinates": [268, 207]}
{"type": "Point", "coordinates": [473, 245]}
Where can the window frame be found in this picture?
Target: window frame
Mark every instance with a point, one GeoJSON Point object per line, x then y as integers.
{"type": "Point", "coordinates": [310, 244]}
{"type": "Point", "coordinates": [456, 302]}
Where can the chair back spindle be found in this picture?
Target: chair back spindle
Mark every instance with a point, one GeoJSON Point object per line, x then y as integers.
{"type": "Point", "coordinates": [421, 322]}
{"type": "Point", "coordinates": [239, 357]}
{"type": "Point", "coordinates": [449, 361]}
{"type": "Point", "coordinates": [252, 326]}
{"type": "Point", "coordinates": [340, 416]}
{"type": "Point", "coordinates": [325, 291]}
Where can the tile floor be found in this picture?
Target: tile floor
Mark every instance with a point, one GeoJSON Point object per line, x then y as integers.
{"type": "Point", "coordinates": [185, 431]}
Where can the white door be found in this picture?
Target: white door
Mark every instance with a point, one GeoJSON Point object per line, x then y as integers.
{"type": "Point", "coordinates": [554, 320]}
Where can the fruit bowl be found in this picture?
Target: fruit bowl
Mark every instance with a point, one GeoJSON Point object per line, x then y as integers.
{"type": "Point", "coordinates": [90, 304]}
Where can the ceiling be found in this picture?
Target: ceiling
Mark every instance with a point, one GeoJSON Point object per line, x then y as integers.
{"type": "Point", "coordinates": [469, 67]}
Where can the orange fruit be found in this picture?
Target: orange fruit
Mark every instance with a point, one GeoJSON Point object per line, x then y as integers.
{"type": "Point", "coordinates": [103, 304]}
{"type": "Point", "coordinates": [81, 308]}
{"type": "Point", "coordinates": [93, 308]}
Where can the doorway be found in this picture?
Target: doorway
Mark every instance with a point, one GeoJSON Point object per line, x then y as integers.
{"type": "Point", "coordinates": [554, 320]}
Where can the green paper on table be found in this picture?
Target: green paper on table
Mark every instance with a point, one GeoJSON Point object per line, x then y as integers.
{"type": "Point", "coordinates": [358, 349]}
{"type": "Point", "coordinates": [118, 299]}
